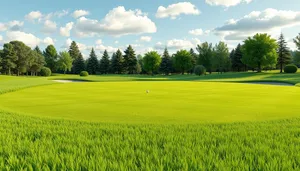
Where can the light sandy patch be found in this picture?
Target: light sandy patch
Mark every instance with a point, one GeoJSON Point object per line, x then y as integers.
{"type": "Point", "coordinates": [69, 81]}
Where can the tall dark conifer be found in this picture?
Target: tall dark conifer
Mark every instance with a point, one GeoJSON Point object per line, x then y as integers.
{"type": "Point", "coordinates": [130, 61]}
{"type": "Point", "coordinates": [166, 63]}
{"type": "Point", "coordinates": [284, 54]}
{"type": "Point", "coordinates": [104, 63]}
{"type": "Point", "coordinates": [92, 64]}
{"type": "Point", "coordinates": [117, 63]}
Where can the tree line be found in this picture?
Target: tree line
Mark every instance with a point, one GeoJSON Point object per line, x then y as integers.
{"type": "Point", "coordinates": [256, 53]}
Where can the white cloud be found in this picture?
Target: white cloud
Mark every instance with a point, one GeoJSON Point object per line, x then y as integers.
{"type": "Point", "coordinates": [65, 31]}
{"type": "Point", "coordinates": [38, 16]}
{"type": "Point", "coordinates": [116, 42]}
{"type": "Point", "coordinates": [175, 10]}
{"type": "Point", "coordinates": [34, 15]}
{"type": "Point", "coordinates": [269, 21]}
{"type": "Point", "coordinates": [80, 13]}
{"type": "Point", "coordinates": [29, 39]}
{"type": "Point", "coordinates": [226, 3]}
{"type": "Point", "coordinates": [146, 38]}
{"type": "Point", "coordinates": [98, 42]}
{"type": "Point", "coordinates": [12, 26]}
{"type": "Point", "coordinates": [117, 22]}
{"type": "Point", "coordinates": [82, 47]}
{"type": "Point", "coordinates": [48, 41]}
{"type": "Point", "coordinates": [176, 44]}
{"type": "Point", "coordinates": [49, 27]}
{"type": "Point", "coordinates": [196, 32]}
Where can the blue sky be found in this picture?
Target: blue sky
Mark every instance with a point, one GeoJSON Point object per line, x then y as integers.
{"type": "Point", "coordinates": [147, 25]}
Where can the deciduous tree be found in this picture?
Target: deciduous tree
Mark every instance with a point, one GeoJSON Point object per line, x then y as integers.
{"type": "Point", "coordinates": [183, 61]}
{"type": "Point", "coordinates": [65, 61]}
{"type": "Point", "coordinates": [151, 61]}
{"type": "Point", "coordinates": [50, 54]}
{"type": "Point", "coordinates": [259, 51]}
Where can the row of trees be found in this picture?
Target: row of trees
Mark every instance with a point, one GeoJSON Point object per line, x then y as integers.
{"type": "Point", "coordinates": [256, 53]}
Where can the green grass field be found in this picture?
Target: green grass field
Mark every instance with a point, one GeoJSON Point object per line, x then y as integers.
{"type": "Point", "coordinates": [184, 123]}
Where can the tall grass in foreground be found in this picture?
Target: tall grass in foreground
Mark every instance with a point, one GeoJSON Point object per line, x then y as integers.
{"type": "Point", "coordinates": [41, 144]}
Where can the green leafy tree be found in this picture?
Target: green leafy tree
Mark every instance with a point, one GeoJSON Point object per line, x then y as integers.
{"type": "Point", "coordinates": [194, 60]}
{"type": "Point", "coordinates": [74, 50]}
{"type": "Point", "coordinates": [296, 57]}
{"type": "Point", "coordinates": [166, 63]}
{"type": "Point", "coordinates": [205, 51]}
{"type": "Point", "coordinates": [183, 61]}
{"type": "Point", "coordinates": [236, 60]}
{"type": "Point", "coordinates": [151, 61]}
{"type": "Point", "coordinates": [117, 62]}
{"type": "Point", "coordinates": [92, 63]}
{"type": "Point", "coordinates": [9, 58]}
{"type": "Point", "coordinates": [24, 59]}
{"type": "Point", "coordinates": [297, 41]}
{"type": "Point", "coordinates": [141, 64]}
{"type": "Point", "coordinates": [78, 64]}
{"type": "Point", "coordinates": [50, 54]}
{"type": "Point", "coordinates": [65, 61]}
{"type": "Point", "coordinates": [130, 61]}
{"type": "Point", "coordinates": [284, 54]}
{"type": "Point", "coordinates": [220, 57]}
{"type": "Point", "coordinates": [104, 63]}
{"type": "Point", "coordinates": [259, 51]}
{"type": "Point", "coordinates": [38, 61]}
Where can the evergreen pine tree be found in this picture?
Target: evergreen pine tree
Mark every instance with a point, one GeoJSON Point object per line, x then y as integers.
{"type": "Point", "coordinates": [74, 50]}
{"type": "Point", "coordinates": [92, 64]}
{"type": "Point", "coordinates": [78, 64]}
{"type": "Point", "coordinates": [117, 63]}
{"type": "Point", "coordinates": [284, 55]}
{"type": "Point", "coordinates": [130, 61]}
{"type": "Point", "coordinates": [194, 60]}
{"type": "Point", "coordinates": [104, 63]}
{"type": "Point", "coordinates": [237, 63]}
{"type": "Point", "coordinates": [9, 58]}
{"type": "Point", "coordinates": [166, 63]}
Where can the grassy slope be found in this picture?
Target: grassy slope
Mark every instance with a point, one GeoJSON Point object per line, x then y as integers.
{"type": "Point", "coordinates": [167, 102]}
{"type": "Point", "coordinates": [42, 144]}
{"type": "Point", "coordinates": [47, 144]}
{"type": "Point", "coordinates": [227, 77]}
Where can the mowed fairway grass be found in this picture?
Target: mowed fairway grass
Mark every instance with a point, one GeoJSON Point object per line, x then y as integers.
{"type": "Point", "coordinates": [183, 123]}
{"type": "Point", "coordinates": [166, 102]}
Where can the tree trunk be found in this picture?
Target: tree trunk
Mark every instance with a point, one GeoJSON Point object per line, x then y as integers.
{"type": "Point", "coordinates": [281, 68]}
{"type": "Point", "coordinates": [259, 67]}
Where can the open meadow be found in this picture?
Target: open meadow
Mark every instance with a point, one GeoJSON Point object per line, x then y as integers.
{"type": "Point", "coordinates": [183, 123]}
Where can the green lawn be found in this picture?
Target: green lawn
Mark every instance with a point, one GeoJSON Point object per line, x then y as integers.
{"type": "Point", "coordinates": [167, 102]}
{"type": "Point", "coordinates": [185, 123]}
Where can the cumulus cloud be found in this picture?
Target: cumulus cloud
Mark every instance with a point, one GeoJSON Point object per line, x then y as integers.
{"type": "Point", "coordinates": [269, 21]}
{"type": "Point", "coordinates": [196, 32]}
{"type": "Point", "coordinates": [226, 3]}
{"type": "Point", "coordinates": [48, 41]}
{"type": "Point", "coordinates": [38, 16]}
{"type": "Point", "coordinates": [65, 31]}
{"type": "Point", "coordinates": [146, 38]}
{"type": "Point", "coordinates": [176, 44]}
{"type": "Point", "coordinates": [175, 10]}
{"type": "Point", "coordinates": [34, 15]}
{"type": "Point", "coordinates": [49, 27]}
{"type": "Point", "coordinates": [117, 22]}
{"type": "Point", "coordinates": [29, 39]}
{"type": "Point", "coordinates": [80, 13]}
{"type": "Point", "coordinates": [12, 26]}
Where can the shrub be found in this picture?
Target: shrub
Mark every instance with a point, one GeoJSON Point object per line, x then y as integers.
{"type": "Point", "coordinates": [291, 68]}
{"type": "Point", "coordinates": [45, 72]}
{"type": "Point", "coordinates": [200, 70]}
{"type": "Point", "coordinates": [84, 74]}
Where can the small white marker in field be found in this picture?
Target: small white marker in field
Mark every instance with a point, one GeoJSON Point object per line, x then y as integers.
{"type": "Point", "coordinates": [147, 91]}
